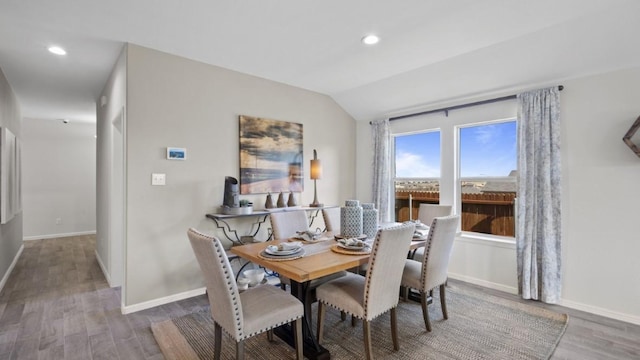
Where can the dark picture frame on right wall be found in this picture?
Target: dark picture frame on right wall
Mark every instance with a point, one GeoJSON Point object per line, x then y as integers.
{"type": "Point", "coordinates": [632, 137]}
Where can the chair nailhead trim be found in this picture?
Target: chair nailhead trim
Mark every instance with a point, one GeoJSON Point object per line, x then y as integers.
{"type": "Point", "coordinates": [241, 334]}
{"type": "Point", "coordinates": [425, 256]}
{"type": "Point", "coordinates": [269, 328]}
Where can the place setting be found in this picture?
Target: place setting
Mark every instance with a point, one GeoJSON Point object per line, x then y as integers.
{"type": "Point", "coordinates": [251, 278]}
{"type": "Point", "coordinates": [422, 230]}
{"type": "Point", "coordinates": [309, 236]}
{"type": "Point", "coordinates": [351, 246]}
{"type": "Point", "coordinates": [283, 251]}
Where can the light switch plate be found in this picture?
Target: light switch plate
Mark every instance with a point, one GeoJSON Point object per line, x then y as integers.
{"type": "Point", "coordinates": [158, 179]}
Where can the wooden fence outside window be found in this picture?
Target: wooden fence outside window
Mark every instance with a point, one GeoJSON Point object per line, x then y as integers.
{"type": "Point", "coordinates": [488, 213]}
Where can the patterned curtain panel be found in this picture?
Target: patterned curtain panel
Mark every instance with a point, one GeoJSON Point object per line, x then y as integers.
{"type": "Point", "coordinates": [382, 168]}
{"type": "Point", "coordinates": [538, 233]}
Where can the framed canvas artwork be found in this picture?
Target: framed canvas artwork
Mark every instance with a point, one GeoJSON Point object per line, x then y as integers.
{"type": "Point", "coordinates": [270, 156]}
{"type": "Point", "coordinates": [10, 176]}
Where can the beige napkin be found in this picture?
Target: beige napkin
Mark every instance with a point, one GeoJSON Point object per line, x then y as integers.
{"type": "Point", "coordinates": [352, 242]}
{"type": "Point", "coordinates": [285, 246]}
{"type": "Point", "coordinates": [289, 245]}
{"type": "Point", "coordinates": [310, 236]}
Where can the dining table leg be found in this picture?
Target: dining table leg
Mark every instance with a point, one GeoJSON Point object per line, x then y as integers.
{"type": "Point", "coordinates": [312, 350]}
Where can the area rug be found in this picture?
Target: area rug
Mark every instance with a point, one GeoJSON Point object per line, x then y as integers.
{"type": "Point", "coordinates": [480, 326]}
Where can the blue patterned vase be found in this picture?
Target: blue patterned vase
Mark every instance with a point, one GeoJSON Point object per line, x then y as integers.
{"type": "Point", "coordinates": [351, 219]}
{"type": "Point", "coordinates": [369, 220]}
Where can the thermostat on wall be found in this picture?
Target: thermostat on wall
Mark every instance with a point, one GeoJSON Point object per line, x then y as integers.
{"type": "Point", "coordinates": [176, 153]}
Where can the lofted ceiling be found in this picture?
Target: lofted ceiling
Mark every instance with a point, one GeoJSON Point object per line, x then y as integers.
{"type": "Point", "coordinates": [431, 51]}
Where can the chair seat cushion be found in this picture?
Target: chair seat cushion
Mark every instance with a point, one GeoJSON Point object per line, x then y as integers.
{"type": "Point", "coordinates": [265, 307]}
{"type": "Point", "coordinates": [345, 293]}
{"type": "Point", "coordinates": [411, 274]}
{"type": "Point", "coordinates": [419, 254]}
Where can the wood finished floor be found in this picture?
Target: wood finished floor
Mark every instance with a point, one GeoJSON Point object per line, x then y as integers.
{"type": "Point", "coordinates": [57, 305]}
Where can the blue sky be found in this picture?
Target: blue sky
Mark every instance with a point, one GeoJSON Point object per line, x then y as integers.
{"type": "Point", "coordinates": [418, 155]}
{"type": "Point", "coordinates": [485, 150]}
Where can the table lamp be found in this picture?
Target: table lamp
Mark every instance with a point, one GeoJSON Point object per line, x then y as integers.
{"type": "Point", "coordinates": [316, 173]}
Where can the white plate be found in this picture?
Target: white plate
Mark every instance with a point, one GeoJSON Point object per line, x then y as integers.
{"type": "Point", "coordinates": [282, 252]}
{"type": "Point", "coordinates": [351, 247]}
{"type": "Point", "coordinates": [361, 237]}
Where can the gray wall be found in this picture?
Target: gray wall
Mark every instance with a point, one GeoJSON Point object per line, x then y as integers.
{"type": "Point", "coordinates": [11, 232]}
{"type": "Point", "coordinates": [599, 202]}
{"type": "Point", "coordinates": [58, 178]}
{"type": "Point", "coordinates": [172, 101]}
{"type": "Point", "coordinates": [109, 164]}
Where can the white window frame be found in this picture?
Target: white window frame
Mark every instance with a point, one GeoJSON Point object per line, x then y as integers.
{"type": "Point", "coordinates": [393, 156]}
{"type": "Point", "coordinates": [459, 179]}
{"type": "Point", "coordinates": [447, 124]}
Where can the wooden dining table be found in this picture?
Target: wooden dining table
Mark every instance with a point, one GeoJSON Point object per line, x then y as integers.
{"type": "Point", "coordinates": [318, 261]}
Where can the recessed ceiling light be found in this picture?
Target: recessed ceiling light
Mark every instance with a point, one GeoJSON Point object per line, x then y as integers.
{"type": "Point", "coordinates": [370, 39]}
{"type": "Point", "coordinates": [57, 50]}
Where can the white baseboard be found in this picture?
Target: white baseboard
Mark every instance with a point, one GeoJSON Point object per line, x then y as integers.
{"type": "Point", "coordinates": [103, 268]}
{"type": "Point", "coordinates": [161, 301]}
{"type": "Point", "coordinates": [53, 236]}
{"type": "Point", "coordinates": [633, 319]}
{"type": "Point", "coordinates": [5, 278]}
{"type": "Point", "coordinates": [484, 283]}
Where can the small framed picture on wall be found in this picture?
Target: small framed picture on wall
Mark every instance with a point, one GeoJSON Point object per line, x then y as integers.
{"type": "Point", "coordinates": [176, 153]}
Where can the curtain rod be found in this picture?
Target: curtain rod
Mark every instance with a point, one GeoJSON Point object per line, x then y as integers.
{"type": "Point", "coordinates": [455, 107]}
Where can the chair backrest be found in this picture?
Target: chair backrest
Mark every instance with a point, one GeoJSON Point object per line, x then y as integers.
{"type": "Point", "coordinates": [331, 218]}
{"type": "Point", "coordinates": [388, 254]}
{"type": "Point", "coordinates": [224, 297]}
{"type": "Point", "coordinates": [437, 251]}
{"type": "Point", "coordinates": [285, 224]}
{"type": "Point", "coordinates": [427, 212]}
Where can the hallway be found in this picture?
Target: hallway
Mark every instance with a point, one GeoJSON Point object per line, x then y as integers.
{"type": "Point", "coordinates": [58, 305]}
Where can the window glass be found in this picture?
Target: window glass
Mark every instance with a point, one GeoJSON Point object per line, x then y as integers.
{"type": "Point", "coordinates": [417, 173]}
{"type": "Point", "coordinates": [488, 150]}
{"type": "Point", "coordinates": [418, 155]}
{"type": "Point", "coordinates": [488, 160]}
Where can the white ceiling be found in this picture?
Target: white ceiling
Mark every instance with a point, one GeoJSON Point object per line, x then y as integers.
{"type": "Point", "coordinates": [431, 51]}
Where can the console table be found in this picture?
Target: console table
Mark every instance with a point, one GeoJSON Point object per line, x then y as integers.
{"type": "Point", "coordinates": [231, 233]}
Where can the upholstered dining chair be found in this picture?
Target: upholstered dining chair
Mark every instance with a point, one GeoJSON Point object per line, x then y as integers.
{"type": "Point", "coordinates": [426, 214]}
{"type": "Point", "coordinates": [331, 217]}
{"type": "Point", "coordinates": [285, 225]}
{"type": "Point", "coordinates": [246, 314]}
{"type": "Point", "coordinates": [367, 297]}
{"type": "Point", "coordinates": [431, 272]}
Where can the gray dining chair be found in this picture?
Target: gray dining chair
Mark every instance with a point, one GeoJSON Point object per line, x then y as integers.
{"type": "Point", "coordinates": [426, 214]}
{"type": "Point", "coordinates": [246, 314]}
{"type": "Point", "coordinates": [431, 272]}
{"type": "Point", "coordinates": [367, 297]}
{"type": "Point", "coordinates": [331, 217]}
{"type": "Point", "coordinates": [285, 225]}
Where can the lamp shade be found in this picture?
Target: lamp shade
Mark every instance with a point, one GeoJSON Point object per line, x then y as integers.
{"type": "Point", "coordinates": [316, 167]}
{"type": "Point", "coordinates": [315, 174]}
